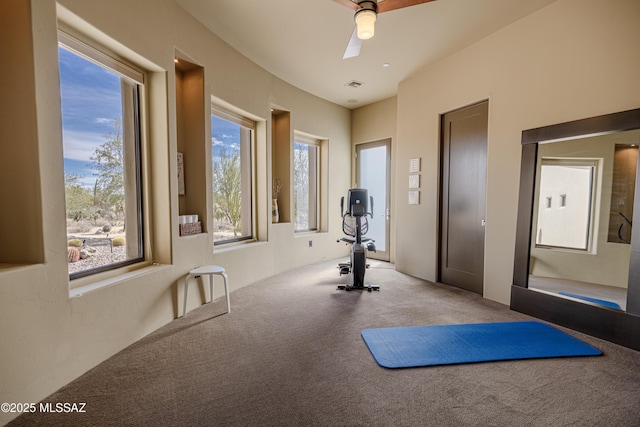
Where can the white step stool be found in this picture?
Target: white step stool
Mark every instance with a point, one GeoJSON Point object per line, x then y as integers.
{"type": "Point", "coordinates": [207, 270]}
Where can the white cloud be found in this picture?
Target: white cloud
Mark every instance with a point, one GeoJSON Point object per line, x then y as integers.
{"type": "Point", "coordinates": [80, 145]}
{"type": "Point", "coordinates": [87, 181]}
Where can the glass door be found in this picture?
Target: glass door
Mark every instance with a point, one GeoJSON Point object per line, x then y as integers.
{"type": "Point", "coordinates": [373, 166]}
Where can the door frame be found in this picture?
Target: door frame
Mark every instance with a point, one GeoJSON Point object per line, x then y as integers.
{"type": "Point", "coordinates": [386, 142]}
{"type": "Point", "coordinates": [441, 190]}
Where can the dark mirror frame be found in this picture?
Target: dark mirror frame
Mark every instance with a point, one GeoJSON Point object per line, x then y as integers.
{"type": "Point", "coordinates": [609, 324]}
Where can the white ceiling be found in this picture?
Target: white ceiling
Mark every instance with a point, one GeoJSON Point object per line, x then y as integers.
{"type": "Point", "coordinates": [302, 41]}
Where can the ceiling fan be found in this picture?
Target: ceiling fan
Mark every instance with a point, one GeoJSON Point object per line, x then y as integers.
{"type": "Point", "coordinates": [365, 17]}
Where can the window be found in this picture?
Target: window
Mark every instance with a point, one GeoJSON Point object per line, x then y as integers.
{"type": "Point", "coordinates": [567, 221]}
{"type": "Point", "coordinates": [232, 164]}
{"type": "Point", "coordinates": [100, 99]}
{"type": "Point", "coordinates": [305, 182]}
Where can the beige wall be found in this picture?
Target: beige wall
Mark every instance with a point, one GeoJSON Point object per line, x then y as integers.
{"type": "Point", "coordinates": [48, 338]}
{"type": "Point", "coordinates": [573, 59]}
{"type": "Point", "coordinates": [375, 122]}
{"type": "Point", "coordinates": [570, 60]}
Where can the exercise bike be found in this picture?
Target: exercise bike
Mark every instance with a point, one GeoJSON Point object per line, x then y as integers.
{"type": "Point", "coordinates": [355, 224]}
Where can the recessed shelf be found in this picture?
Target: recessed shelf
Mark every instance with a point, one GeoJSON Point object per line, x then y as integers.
{"type": "Point", "coordinates": [191, 142]}
{"type": "Point", "coordinates": [21, 215]}
{"type": "Point", "coordinates": [281, 134]}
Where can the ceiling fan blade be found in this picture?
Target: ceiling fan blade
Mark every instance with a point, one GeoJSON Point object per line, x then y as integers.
{"type": "Point", "coordinates": [353, 48]}
{"type": "Point", "coordinates": [388, 5]}
{"type": "Point", "coordinates": [348, 3]}
{"type": "Point", "coordinates": [383, 5]}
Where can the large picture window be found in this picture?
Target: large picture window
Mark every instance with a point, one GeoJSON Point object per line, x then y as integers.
{"type": "Point", "coordinates": [232, 162]}
{"type": "Point", "coordinates": [100, 99]}
{"type": "Point", "coordinates": [306, 152]}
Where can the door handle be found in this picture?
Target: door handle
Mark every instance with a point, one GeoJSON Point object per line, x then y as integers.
{"type": "Point", "coordinates": [484, 222]}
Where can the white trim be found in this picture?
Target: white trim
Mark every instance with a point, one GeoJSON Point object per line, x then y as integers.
{"type": "Point", "coordinates": [98, 57]}
{"type": "Point", "coordinates": [232, 117]}
{"type": "Point", "coordinates": [116, 280]}
{"type": "Point", "coordinates": [306, 139]}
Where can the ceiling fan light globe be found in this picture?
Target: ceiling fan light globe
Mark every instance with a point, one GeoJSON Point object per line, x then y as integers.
{"type": "Point", "coordinates": [365, 21]}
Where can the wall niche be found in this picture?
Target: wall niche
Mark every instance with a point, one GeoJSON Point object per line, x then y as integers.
{"type": "Point", "coordinates": [21, 216]}
{"type": "Point", "coordinates": [281, 134]}
{"type": "Point", "coordinates": [192, 147]}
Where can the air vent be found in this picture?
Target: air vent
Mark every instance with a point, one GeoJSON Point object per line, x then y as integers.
{"type": "Point", "coordinates": [354, 83]}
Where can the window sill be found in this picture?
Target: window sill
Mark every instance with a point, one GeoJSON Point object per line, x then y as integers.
{"type": "Point", "coordinates": [229, 247]}
{"type": "Point", "coordinates": [79, 291]}
{"type": "Point", "coordinates": [304, 233]}
{"type": "Point", "coordinates": [187, 236]}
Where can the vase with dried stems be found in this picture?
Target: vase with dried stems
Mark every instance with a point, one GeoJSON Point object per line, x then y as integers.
{"type": "Point", "coordinates": [275, 191]}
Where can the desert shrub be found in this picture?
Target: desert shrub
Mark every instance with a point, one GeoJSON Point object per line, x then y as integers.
{"type": "Point", "coordinates": [118, 241]}
{"type": "Point", "coordinates": [76, 243]}
{"type": "Point", "coordinates": [83, 226]}
{"type": "Point", "coordinates": [76, 215]}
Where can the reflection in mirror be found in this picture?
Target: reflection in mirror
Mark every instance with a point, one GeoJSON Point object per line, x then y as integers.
{"type": "Point", "coordinates": [582, 218]}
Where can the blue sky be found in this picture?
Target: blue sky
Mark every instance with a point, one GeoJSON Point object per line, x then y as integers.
{"type": "Point", "coordinates": [91, 101]}
{"type": "Point", "coordinates": [223, 133]}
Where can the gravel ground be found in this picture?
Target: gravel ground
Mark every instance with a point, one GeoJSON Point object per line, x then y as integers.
{"type": "Point", "coordinates": [104, 254]}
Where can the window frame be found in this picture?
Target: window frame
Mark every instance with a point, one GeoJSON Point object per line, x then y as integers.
{"type": "Point", "coordinates": [246, 168]}
{"type": "Point", "coordinates": [591, 228]}
{"type": "Point", "coordinates": [132, 76]}
{"type": "Point", "coordinates": [315, 180]}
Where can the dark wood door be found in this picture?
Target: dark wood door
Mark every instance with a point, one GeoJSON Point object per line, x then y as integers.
{"type": "Point", "coordinates": [463, 196]}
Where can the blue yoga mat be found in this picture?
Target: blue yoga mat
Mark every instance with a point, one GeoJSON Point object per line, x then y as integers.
{"type": "Point", "coordinates": [602, 302]}
{"type": "Point", "coordinates": [414, 346]}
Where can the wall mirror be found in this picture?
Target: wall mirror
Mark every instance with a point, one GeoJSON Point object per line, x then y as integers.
{"type": "Point", "coordinates": [577, 253]}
